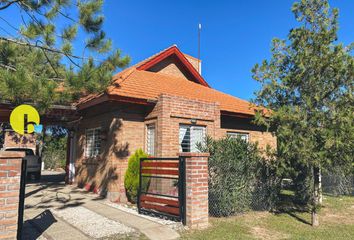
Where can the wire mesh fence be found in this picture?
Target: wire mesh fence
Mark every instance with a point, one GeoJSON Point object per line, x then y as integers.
{"type": "Point", "coordinates": [234, 189]}
{"type": "Point", "coordinates": [336, 184]}
{"type": "Point", "coordinates": [231, 194]}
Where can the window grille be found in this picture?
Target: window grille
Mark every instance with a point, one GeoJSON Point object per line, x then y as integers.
{"type": "Point", "coordinates": [150, 139]}
{"type": "Point", "coordinates": [243, 136]}
{"type": "Point", "coordinates": [93, 142]}
{"type": "Point", "coordinates": [190, 136]}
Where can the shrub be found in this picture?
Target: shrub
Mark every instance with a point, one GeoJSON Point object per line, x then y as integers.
{"type": "Point", "coordinates": [131, 179]}
{"type": "Point", "coordinates": [238, 177]}
{"type": "Point", "coordinates": [268, 182]}
{"type": "Point", "coordinates": [302, 184]}
{"type": "Point", "coordinates": [54, 152]}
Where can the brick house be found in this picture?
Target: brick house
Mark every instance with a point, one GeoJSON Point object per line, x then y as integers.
{"type": "Point", "coordinates": [162, 105]}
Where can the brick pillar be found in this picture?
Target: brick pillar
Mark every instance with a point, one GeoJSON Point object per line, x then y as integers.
{"type": "Point", "coordinates": [10, 175]}
{"type": "Point", "coordinates": [197, 208]}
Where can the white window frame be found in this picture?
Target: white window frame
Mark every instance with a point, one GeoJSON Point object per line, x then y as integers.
{"type": "Point", "coordinates": [151, 139]}
{"type": "Point", "coordinates": [188, 139]}
{"type": "Point", "coordinates": [92, 145]}
{"type": "Point", "coordinates": [243, 135]}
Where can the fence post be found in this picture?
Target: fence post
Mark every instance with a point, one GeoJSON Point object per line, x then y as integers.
{"type": "Point", "coordinates": [196, 189]}
{"type": "Point", "coordinates": [10, 177]}
{"type": "Point", "coordinates": [21, 206]}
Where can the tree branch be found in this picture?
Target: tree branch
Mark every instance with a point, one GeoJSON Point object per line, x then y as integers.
{"type": "Point", "coordinates": [8, 67]}
{"type": "Point", "coordinates": [12, 68]}
{"type": "Point", "coordinates": [45, 48]}
{"type": "Point", "coordinates": [50, 63]}
{"type": "Point", "coordinates": [8, 4]}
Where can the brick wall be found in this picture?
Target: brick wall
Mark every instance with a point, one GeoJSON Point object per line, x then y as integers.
{"type": "Point", "coordinates": [194, 61]}
{"type": "Point", "coordinates": [257, 134]}
{"type": "Point", "coordinates": [171, 111]}
{"type": "Point", "coordinates": [125, 129]}
{"type": "Point", "coordinates": [12, 139]}
{"type": "Point", "coordinates": [10, 175]}
{"type": "Point", "coordinates": [172, 66]}
{"type": "Point", "coordinates": [197, 208]}
{"type": "Point", "coordinates": [123, 132]}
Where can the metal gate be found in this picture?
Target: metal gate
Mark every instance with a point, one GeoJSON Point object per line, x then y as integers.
{"type": "Point", "coordinates": [162, 188]}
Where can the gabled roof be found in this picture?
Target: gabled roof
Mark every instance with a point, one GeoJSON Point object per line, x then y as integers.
{"type": "Point", "coordinates": [173, 50]}
{"type": "Point", "coordinates": [139, 85]}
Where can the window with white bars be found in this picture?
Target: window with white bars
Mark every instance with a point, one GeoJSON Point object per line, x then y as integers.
{"type": "Point", "coordinates": [189, 136]}
{"type": "Point", "coordinates": [93, 142]}
{"type": "Point", "coordinates": [150, 139]}
{"type": "Point", "coordinates": [243, 136]}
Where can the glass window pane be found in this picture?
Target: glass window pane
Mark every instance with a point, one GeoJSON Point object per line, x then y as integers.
{"type": "Point", "coordinates": [184, 138]}
{"type": "Point", "coordinates": [93, 142]}
{"type": "Point", "coordinates": [198, 136]}
{"type": "Point", "coordinates": [150, 144]}
{"type": "Point", "coordinates": [243, 136]}
{"type": "Point", "coordinates": [189, 136]}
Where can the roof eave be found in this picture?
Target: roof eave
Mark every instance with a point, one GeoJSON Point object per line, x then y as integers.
{"type": "Point", "coordinates": [106, 98]}
{"type": "Point", "coordinates": [237, 114]}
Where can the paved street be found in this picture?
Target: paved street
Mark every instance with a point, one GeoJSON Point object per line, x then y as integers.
{"type": "Point", "coordinates": [54, 210]}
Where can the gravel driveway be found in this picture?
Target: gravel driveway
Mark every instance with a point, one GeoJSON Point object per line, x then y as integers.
{"type": "Point", "coordinates": [54, 210]}
{"type": "Point", "coordinates": [91, 223]}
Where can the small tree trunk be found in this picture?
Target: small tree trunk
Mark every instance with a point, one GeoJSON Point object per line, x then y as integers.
{"type": "Point", "coordinates": [320, 199]}
{"type": "Point", "coordinates": [316, 196]}
{"type": "Point", "coordinates": [315, 219]}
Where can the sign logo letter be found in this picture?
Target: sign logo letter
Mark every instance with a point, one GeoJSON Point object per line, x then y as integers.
{"type": "Point", "coordinates": [24, 119]}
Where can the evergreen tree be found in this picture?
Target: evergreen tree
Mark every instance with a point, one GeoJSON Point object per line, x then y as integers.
{"type": "Point", "coordinates": [308, 85]}
{"type": "Point", "coordinates": [38, 61]}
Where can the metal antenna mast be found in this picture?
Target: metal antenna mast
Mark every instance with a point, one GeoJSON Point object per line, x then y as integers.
{"type": "Point", "coordinates": [199, 30]}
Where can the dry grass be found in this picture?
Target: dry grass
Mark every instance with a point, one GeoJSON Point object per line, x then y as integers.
{"type": "Point", "coordinates": [266, 234]}
{"type": "Point", "coordinates": [336, 222]}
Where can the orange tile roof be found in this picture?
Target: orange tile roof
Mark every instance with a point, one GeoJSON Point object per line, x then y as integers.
{"type": "Point", "coordinates": [145, 85]}
{"type": "Point", "coordinates": [149, 85]}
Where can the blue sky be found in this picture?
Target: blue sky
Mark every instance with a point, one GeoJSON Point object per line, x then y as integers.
{"type": "Point", "coordinates": [235, 34]}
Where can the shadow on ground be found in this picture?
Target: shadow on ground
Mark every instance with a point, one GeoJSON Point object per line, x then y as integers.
{"type": "Point", "coordinates": [51, 192]}
{"type": "Point", "coordinates": [288, 205]}
{"type": "Point", "coordinates": [35, 227]}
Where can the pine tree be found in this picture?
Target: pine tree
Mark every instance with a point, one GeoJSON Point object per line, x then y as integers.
{"type": "Point", "coordinates": [38, 61]}
{"type": "Point", "coordinates": [308, 85]}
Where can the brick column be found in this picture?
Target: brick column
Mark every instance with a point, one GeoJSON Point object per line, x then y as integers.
{"type": "Point", "coordinates": [197, 209]}
{"type": "Point", "coordinates": [10, 175]}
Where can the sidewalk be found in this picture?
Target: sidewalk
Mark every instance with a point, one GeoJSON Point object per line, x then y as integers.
{"type": "Point", "coordinates": [150, 229]}
{"type": "Point", "coordinates": [57, 211]}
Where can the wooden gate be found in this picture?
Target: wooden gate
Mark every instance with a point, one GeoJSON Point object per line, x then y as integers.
{"type": "Point", "coordinates": [161, 188]}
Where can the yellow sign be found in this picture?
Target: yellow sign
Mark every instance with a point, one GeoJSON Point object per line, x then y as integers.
{"type": "Point", "coordinates": [24, 119]}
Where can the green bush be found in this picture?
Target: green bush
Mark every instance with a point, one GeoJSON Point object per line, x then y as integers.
{"type": "Point", "coordinates": [268, 182]}
{"type": "Point", "coordinates": [131, 179]}
{"type": "Point", "coordinates": [302, 184]}
{"type": "Point", "coordinates": [54, 152]}
{"type": "Point", "coordinates": [239, 178]}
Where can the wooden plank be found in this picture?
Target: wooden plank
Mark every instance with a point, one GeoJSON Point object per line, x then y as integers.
{"type": "Point", "coordinates": [160, 171]}
{"type": "Point", "coordinates": [154, 199]}
{"type": "Point", "coordinates": [160, 164]}
{"type": "Point", "coordinates": [166, 209]}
